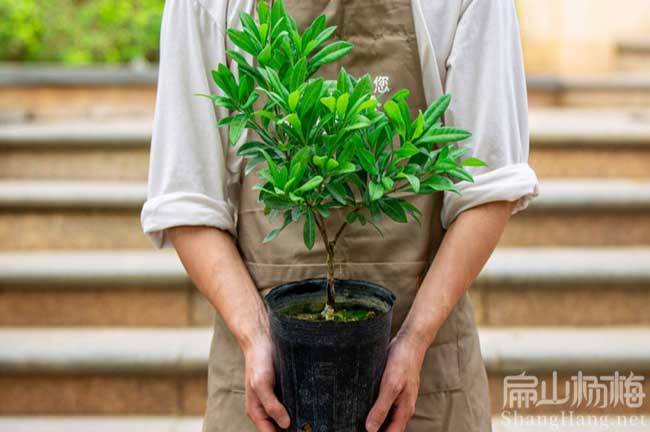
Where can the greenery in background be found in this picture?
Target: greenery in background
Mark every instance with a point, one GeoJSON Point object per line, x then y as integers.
{"type": "Point", "coordinates": [329, 144]}
{"type": "Point", "coordinates": [80, 31]}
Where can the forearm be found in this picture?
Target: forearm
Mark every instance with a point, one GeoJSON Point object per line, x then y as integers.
{"type": "Point", "coordinates": [214, 264]}
{"type": "Point", "coordinates": [467, 245]}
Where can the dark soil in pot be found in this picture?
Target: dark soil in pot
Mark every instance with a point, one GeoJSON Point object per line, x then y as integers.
{"type": "Point", "coordinates": [328, 372]}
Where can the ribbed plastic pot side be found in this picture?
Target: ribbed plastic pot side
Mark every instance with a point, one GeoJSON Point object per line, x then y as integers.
{"type": "Point", "coordinates": [328, 372]}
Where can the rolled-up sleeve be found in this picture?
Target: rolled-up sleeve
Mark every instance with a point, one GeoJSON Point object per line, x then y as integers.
{"type": "Point", "coordinates": [189, 179]}
{"type": "Point", "coordinates": [486, 78]}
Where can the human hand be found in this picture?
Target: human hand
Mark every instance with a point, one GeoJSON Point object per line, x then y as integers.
{"type": "Point", "coordinates": [262, 406]}
{"type": "Point", "coordinates": [399, 386]}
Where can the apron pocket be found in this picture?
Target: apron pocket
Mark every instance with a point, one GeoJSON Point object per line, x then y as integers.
{"type": "Point", "coordinates": [440, 370]}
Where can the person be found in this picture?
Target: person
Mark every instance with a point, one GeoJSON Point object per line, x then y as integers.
{"type": "Point", "coordinates": [200, 203]}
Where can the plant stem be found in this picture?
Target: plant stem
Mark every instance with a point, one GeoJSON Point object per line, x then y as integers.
{"type": "Point", "coordinates": [330, 304]}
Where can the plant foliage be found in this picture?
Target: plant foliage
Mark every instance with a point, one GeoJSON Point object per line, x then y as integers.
{"type": "Point", "coordinates": [329, 143]}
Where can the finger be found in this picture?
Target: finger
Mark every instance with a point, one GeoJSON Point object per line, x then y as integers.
{"type": "Point", "coordinates": [271, 404]}
{"type": "Point", "coordinates": [263, 423]}
{"type": "Point", "coordinates": [399, 418]}
{"type": "Point", "coordinates": [388, 392]}
{"type": "Point", "coordinates": [256, 412]}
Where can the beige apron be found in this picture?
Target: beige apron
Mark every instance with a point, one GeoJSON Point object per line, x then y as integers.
{"type": "Point", "coordinates": [453, 390]}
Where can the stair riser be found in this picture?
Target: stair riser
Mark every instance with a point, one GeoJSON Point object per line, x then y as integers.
{"type": "Point", "coordinates": [604, 161]}
{"type": "Point", "coordinates": [578, 304]}
{"type": "Point", "coordinates": [132, 164]}
{"type": "Point", "coordinates": [43, 102]}
{"type": "Point", "coordinates": [123, 307]}
{"type": "Point", "coordinates": [634, 60]}
{"type": "Point", "coordinates": [183, 395]}
{"type": "Point", "coordinates": [76, 163]}
{"type": "Point", "coordinates": [595, 227]}
{"type": "Point", "coordinates": [590, 98]}
{"type": "Point", "coordinates": [35, 229]}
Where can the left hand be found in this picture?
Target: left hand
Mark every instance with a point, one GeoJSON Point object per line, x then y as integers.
{"type": "Point", "coordinates": [399, 386]}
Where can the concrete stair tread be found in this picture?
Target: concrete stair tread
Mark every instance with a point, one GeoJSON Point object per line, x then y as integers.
{"type": "Point", "coordinates": [589, 127]}
{"type": "Point", "coordinates": [193, 424]}
{"type": "Point", "coordinates": [70, 133]}
{"type": "Point", "coordinates": [547, 126]}
{"type": "Point", "coordinates": [100, 424]}
{"type": "Point", "coordinates": [506, 265]}
{"type": "Point", "coordinates": [182, 350]}
{"type": "Point", "coordinates": [554, 193]}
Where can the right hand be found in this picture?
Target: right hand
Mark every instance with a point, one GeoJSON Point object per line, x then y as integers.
{"type": "Point", "coordinates": [262, 406]}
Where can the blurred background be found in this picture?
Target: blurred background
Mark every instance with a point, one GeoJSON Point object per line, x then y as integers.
{"type": "Point", "coordinates": [100, 332]}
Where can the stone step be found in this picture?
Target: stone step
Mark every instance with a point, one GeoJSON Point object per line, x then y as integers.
{"type": "Point", "coordinates": [590, 143]}
{"type": "Point", "coordinates": [82, 150]}
{"type": "Point", "coordinates": [518, 286]}
{"type": "Point", "coordinates": [162, 372]}
{"type": "Point", "coordinates": [35, 93]}
{"type": "Point", "coordinates": [101, 424]}
{"type": "Point", "coordinates": [193, 424]}
{"type": "Point", "coordinates": [634, 55]}
{"type": "Point", "coordinates": [564, 143]}
{"type": "Point", "coordinates": [37, 215]}
{"type": "Point", "coordinates": [612, 90]}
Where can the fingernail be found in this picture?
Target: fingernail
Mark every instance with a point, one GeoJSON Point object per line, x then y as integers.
{"type": "Point", "coordinates": [371, 427]}
{"type": "Point", "coordinates": [285, 422]}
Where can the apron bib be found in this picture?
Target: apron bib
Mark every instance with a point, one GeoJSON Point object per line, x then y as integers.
{"type": "Point", "coordinates": [453, 392]}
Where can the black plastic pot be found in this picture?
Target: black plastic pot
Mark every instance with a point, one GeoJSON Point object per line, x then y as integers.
{"type": "Point", "coordinates": [328, 372]}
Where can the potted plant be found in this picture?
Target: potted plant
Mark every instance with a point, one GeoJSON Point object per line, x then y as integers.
{"type": "Point", "coordinates": [325, 146]}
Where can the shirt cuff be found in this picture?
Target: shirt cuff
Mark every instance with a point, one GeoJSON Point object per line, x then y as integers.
{"type": "Point", "coordinates": [182, 208]}
{"type": "Point", "coordinates": [516, 182]}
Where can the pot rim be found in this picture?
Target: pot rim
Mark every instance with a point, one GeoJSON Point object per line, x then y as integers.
{"type": "Point", "coordinates": [282, 291]}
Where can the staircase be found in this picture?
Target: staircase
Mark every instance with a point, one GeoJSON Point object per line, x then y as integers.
{"type": "Point", "coordinates": [99, 332]}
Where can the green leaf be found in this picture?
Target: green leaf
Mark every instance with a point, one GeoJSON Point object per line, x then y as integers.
{"type": "Point", "coordinates": [249, 23]}
{"type": "Point", "coordinates": [243, 41]}
{"type": "Point", "coordinates": [338, 192]}
{"type": "Point", "coordinates": [318, 41]}
{"type": "Point", "coordinates": [342, 105]}
{"type": "Point", "coordinates": [252, 163]}
{"type": "Point", "coordinates": [309, 230]}
{"type": "Point", "coordinates": [294, 121]}
{"type": "Point", "coordinates": [367, 161]}
{"type": "Point", "coordinates": [237, 126]}
{"type": "Point", "coordinates": [418, 127]}
{"type": "Point", "coordinates": [311, 94]}
{"type": "Point", "coordinates": [224, 78]}
{"type": "Point", "coordinates": [274, 233]}
{"type": "Point", "coordinates": [312, 183]}
{"type": "Point", "coordinates": [393, 209]}
{"type": "Point", "coordinates": [329, 54]}
{"type": "Point", "coordinates": [443, 135]}
{"type": "Point", "coordinates": [439, 183]}
{"type": "Point", "coordinates": [375, 191]}
{"type": "Point", "coordinates": [437, 109]}
{"type": "Point", "coordinates": [413, 181]}
{"type": "Point", "coordinates": [263, 11]}
{"type": "Point", "coordinates": [461, 174]}
{"type": "Point", "coordinates": [329, 102]}
{"type": "Point", "coordinates": [294, 97]}
{"type": "Point", "coordinates": [473, 162]}
{"type": "Point", "coordinates": [387, 182]}
{"type": "Point", "coordinates": [319, 161]}
{"type": "Point", "coordinates": [369, 104]}
{"type": "Point", "coordinates": [298, 74]}
{"type": "Point", "coordinates": [345, 168]}
{"type": "Point", "coordinates": [406, 151]}
{"type": "Point", "coordinates": [393, 112]}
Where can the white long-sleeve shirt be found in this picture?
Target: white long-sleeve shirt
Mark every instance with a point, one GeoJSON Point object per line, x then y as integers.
{"type": "Point", "coordinates": [469, 48]}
